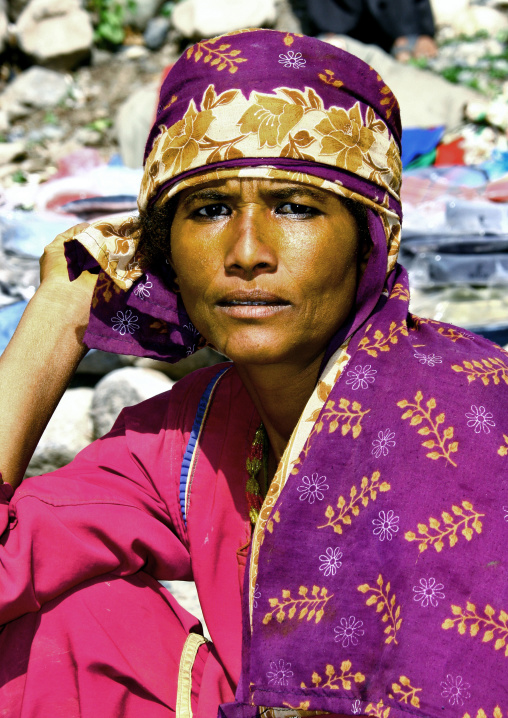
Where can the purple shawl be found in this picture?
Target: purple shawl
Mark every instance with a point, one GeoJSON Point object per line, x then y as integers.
{"type": "Point", "coordinates": [378, 579]}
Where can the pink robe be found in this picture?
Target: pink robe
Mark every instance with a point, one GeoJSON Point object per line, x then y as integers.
{"type": "Point", "coordinates": [87, 630]}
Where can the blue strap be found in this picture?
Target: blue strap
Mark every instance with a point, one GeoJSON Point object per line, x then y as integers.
{"type": "Point", "coordinates": [189, 455]}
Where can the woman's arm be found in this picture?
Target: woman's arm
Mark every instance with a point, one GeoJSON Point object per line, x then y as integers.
{"type": "Point", "coordinates": [41, 357]}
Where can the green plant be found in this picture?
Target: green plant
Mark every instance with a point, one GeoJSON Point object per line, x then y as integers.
{"type": "Point", "coordinates": [100, 125]}
{"type": "Point", "coordinates": [19, 176]}
{"type": "Point", "coordinates": [452, 74]}
{"type": "Point", "coordinates": [109, 23]}
{"type": "Point", "coordinates": [50, 118]}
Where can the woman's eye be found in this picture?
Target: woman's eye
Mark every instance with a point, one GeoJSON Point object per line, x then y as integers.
{"type": "Point", "coordinates": [299, 210]}
{"type": "Point", "coordinates": [211, 211]}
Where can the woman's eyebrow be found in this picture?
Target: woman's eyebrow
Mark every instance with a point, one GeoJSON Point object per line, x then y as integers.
{"type": "Point", "coordinates": [212, 195]}
{"type": "Point", "coordinates": [290, 192]}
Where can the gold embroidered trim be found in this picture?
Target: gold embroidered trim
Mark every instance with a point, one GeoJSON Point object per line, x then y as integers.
{"type": "Point", "coordinates": [184, 689]}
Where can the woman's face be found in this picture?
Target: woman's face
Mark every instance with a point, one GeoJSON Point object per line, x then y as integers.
{"type": "Point", "coordinates": [267, 269]}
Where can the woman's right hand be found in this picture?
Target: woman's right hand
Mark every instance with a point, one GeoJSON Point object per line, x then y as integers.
{"type": "Point", "coordinates": [74, 296]}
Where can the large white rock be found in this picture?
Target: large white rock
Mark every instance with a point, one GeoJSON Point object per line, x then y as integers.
{"type": "Point", "coordinates": [69, 431]}
{"type": "Point", "coordinates": [121, 388]}
{"type": "Point", "coordinates": [36, 88]}
{"type": "Point", "coordinates": [203, 18]}
{"type": "Point", "coordinates": [467, 19]}
{"type": "Point", "coordinates": [425, 99]}
{"type": "Point", "coordinates": [55, 33]}
{"type": "Point", "coordinates": [139, 13]}
{"type": "Point", "coordinates": [133, 122]}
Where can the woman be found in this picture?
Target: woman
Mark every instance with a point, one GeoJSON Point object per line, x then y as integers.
{"type": "Point", "coordinates": [372, 578]}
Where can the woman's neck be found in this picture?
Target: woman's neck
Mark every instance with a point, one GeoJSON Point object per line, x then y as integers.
{"type": "Point", "coordinates": [280, 393]}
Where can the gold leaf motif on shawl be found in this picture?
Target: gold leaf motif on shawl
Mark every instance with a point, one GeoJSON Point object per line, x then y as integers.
{"type": "Point", "coordinates": [378, 710]}
{"type": "Point", "coordinates": [271, 118]}
{"type": "Point", "coordinates": [312, 606]}
{"type": "Point", "coordinates": [380, 341]}
{"type": "Point", "coordinates": [503, 449]}
{"type": "Point", "coordinates": [405, 692]}
{"type": "Point", "coordinates": [469, 617]}
{"type": "Point", "coordinates": [441, 442]}
{"type": "Point", "coordinates": [212, 100]}
{"type": "Point", "coordinates": [336, 680]}
{"type": "Point", "coordinates": [380, 597]}
{"type": "Point", "coordinates": [328, 77]}
{"type": "Point", "coordinates": [467, 519]}
{"type": "Point", "coordinates": [369, 489]}
{"type": "Point", "coordinates": [492, 368]}
{"type": "Point", "coordinates": [497, 713]}
{"type": "Point", "coordinates": [292, 149]}
{"type": "Point", "coordinates": [219, 57]}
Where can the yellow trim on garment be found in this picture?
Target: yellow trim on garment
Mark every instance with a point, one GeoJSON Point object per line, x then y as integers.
{"type": "Point", "coordinates": [184, 690]}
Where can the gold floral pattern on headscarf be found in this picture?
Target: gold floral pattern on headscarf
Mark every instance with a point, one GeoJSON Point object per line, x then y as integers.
{"type": "Point", "coordinates": [288, 123]}
{"type": "Point", "coordinates": [345, 137]}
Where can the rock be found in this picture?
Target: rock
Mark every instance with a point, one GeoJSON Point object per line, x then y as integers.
{"type": "Point", "coordinates": [10, 151]}
{"type": "Point", "coordinates": [102, 363]}
{"type": "Point", "coordinates": [437, 101]}
{"type": "Point", "coordinates": [156, 32]}
{"type": "Point", "coordinates": [467, 19]}
{"type": "Point", "coordinates": [133, 52]}
{"type": "Point", "coordinates": [121, 388]}
{"type": "Point", "coordinates": [198, 360]}
{"type": "Point", "coordinates": [202, 18]}
{"type": "Point", "coordinates": [287, 21]}
{"type": "Point", "coordinates": [69, 431]}
{"type": "Point", "coordinates": [55, 33]}
{"type": "Point", "coordinates": [139, 13]}
{"type": "Point", "coordinates": [36, 88]}
{"type": "Point", "coordinates": [446, 12]}
{"type": "Point", "coordinates": [133, 122]}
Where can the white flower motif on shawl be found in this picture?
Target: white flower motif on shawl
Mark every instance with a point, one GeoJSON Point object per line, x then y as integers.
{"type": "Point", "coordinates": [361, 376]}
{"type": "Point", "coordinates": [125, 322]}
{"type": "Point", "coordinates": [383, 443]}
{"type": "Point", "coordinates": [191, 328]}
{"type": "Point", "coordinates": [191, 350]}
{"type": "Point", "coordinates": [386, 525]}
{"type": "Point", "coordinates": [428, 592]}
{"type": "Point", "coordinates": [356, 707]}
{"type": "Point", "coordinates": [142, 289]}
{"type": "Point", "coordinates": [312, 488]}
{"type": "Point", "coordinates": [349, 631]}
{"type": "Point", "coordinates": [280, 673]}
{"type": "Point", "coordinates": [505, 509]}
{"type": "Point", "coordinates": [429, 359]}
{"type": "Point", "coordinates": [330, 561]}
{"type": "Point", "coordinates": [479, 418]}
{"type": "Point", "coordinates": [292, 59]}
{"type": "Point", "coordinates": [455, 689]}
{"type": "Point", "coordinates": [256, 596]}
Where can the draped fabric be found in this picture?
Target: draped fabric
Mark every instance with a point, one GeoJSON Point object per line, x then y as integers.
{"type": "Point", "coordinates": [377, 579]}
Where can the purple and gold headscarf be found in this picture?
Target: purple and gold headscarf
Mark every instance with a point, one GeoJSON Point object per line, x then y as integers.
{"type": "Point", "coordinates": [378, 575]}
{"type": "Point", "coordinates": [257, 103]}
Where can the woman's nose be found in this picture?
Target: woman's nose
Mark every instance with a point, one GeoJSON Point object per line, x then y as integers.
{"type": "Point", "coordinates": [249, 251]}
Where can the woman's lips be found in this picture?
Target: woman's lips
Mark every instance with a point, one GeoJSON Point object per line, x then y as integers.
{"type": "Point", "coordinates": [254, 304]}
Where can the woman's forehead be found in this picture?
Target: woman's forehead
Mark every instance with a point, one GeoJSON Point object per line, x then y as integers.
{"type": "Point", "coordinates": [246, 187]}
